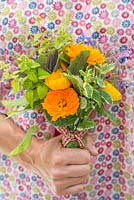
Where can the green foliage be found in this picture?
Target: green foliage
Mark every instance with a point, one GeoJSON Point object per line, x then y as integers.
{"type": "Point", "coordinates": [79, 63]}
{"type": "Point", "coordinates": [76, 81]}
{"type": "Point", "coordinates": [25, 142]}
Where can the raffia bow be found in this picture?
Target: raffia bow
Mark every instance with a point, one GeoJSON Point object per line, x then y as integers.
{"type": "Point", "coordinates": [74, 136]}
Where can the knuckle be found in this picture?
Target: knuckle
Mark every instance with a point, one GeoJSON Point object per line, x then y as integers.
{"type": "Point", "coordinates": [55, 173]}
{"type": "Point", "coordinates": [57, 160]}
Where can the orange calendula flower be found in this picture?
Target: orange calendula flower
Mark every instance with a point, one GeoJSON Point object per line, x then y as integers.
{"type": "Point", "coordinates": [95, 57]}
{"type": "Point", "coordinates": [61, 103]}
{"type": "Point", "coordinates": [75, 49]}
{"type": "Point", "coordinates": [56, 81]}
{"type": "Point", "coordinates": [112, 91]}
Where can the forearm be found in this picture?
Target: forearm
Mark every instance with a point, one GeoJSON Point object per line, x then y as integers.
{"type": "Point", "coordinates": [10, 136]}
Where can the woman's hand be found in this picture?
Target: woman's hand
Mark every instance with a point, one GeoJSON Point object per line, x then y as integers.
{"type": "Point", "coordinates": [65, 170]}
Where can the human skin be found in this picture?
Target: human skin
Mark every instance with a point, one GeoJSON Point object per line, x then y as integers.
{"type": "Point", "coordinates": [65, 170]}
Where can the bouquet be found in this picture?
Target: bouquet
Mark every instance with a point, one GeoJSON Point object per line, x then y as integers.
{"type": "Point", "coordinates": [67, 81]}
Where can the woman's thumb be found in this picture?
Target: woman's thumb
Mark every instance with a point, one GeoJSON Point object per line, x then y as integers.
{"type": "Point", "coordinates": [90, 146]}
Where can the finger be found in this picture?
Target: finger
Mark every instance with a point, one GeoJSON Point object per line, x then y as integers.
{"type": "Point", "coordinates": [69, 182]}
{"type": "Point", "coordinates": [70, 171]}
{"type": "Point", "coordinates": [90, 146]}
{"type": "Point", "coordinates": [73, 156]}
{"type": "Point", "coordinates": [72, 190]}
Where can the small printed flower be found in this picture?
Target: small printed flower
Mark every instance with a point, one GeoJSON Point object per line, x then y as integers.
{"type": "Point", "coordinates": [61, 103]}
{"type": "Point", "coordinates": [34, 29]}
{"type": "Point", "coordinates": [112, 91]}
{"type": "Point", "coordinates": [32, 5]}
{"type": "Point", "coordinates": [56, 81]}
{"type": "Point", "coordinates": [51, 25]}
{"type": "Point", "coordinates": [12, 23]}
{"type": "Point", "coordinates": [103, 14]}
{"type": "Point", "coordinates": [57, 5]}
{"type": "Point", "coordinates": [95, 35]}
{"type": "Point", "coordinates": [5, 21]}
{"type": "Point", "coordinates": [126, 23]}
{"type": "Point", "coordinates": [49, 2]}
{"type": "Point", "coordinates": [95, 10]}
{"type": "Point", "coordinates": [102, 39]}
{"type": "Point", "coordinates": [79, 15]}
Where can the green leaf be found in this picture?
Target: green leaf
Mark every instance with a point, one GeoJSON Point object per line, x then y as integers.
{"type": "Point", "coordinates": [15, 85]}
{"type": "Point", "coordinates": [87, 90]}
{"type": "Point", "coordinates": [79, 62]}
{"type": "Point", "coordinates": [107, 67]}
{"type": "Point", "coordinates": [15, 103]}
{"type": "Point", "coordinates": [42, 90]}
{"type": "Point", "coordinates": [33, 76]}
{"type": "Point", "coordinates": [25, 142]}
{"type": "Point", "coordinates": [106, 96]}
{"type": "Point", "coordinates": [76, 81]}
{"type": "Point", "coordinates": [29, 97]}
{"type": "Point", "coordinates": [68, 121]}
{"type": "Point", "coordinates": [83, 103]}
{"type": "Point", "coordinates": [97, 97]}
{"type": "Point", "coordinates": [42, 74]}
{"type": "Point", "coordinates": [26, 64]}
{"type": "Point", "coordinates": [106, 113]}
{"type": "Point", "coordinates": [100, 82]}
{"type": "Point", "coordinates": [42, 59]}
{"type": "Point", "coordinates": [27, 84]}
{"type": "Point", "coordinates": [86, 124]}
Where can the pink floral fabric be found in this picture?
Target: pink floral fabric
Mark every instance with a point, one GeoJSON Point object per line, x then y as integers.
{"type": "Point", "coordinates": [109, 25]}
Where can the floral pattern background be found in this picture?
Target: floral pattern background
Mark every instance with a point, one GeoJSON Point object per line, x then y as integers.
{"type": "Point", "coordinates": [109, 25]}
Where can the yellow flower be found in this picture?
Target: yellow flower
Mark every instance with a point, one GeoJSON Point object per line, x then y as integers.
{"type": "Point", "coordinates": [112, 91]}
{"type": "Point", "coordinates": [56, 81]}
{"type": "Point", "coordinates": [75, 49]}
{"type": "Point", "coordinates": [96, 57]}
{"type": "Point", "coordinates": [61, 103]}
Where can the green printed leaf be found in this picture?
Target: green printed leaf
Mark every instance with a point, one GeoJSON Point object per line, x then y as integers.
{"type": "Point", "coordinates": [76, 81]}
{"type": "Point", "coordinates": [79, 62]}
{"type": "Point", "coordinates": [106, 96]}
{"type": "Point", "coordinates": [88, 90]}
{"type": "Point", "coordinates": [29, 97]}
{"type": "Point", "coordinates": [15, 85]}
{"type": "Point", "coordinates": [42, 90]}
{"type": "Point", "coordinates": [25, 142]}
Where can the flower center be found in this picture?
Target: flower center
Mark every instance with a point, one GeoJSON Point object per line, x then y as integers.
{"type": "Point", "coordinates": [62, 103]}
